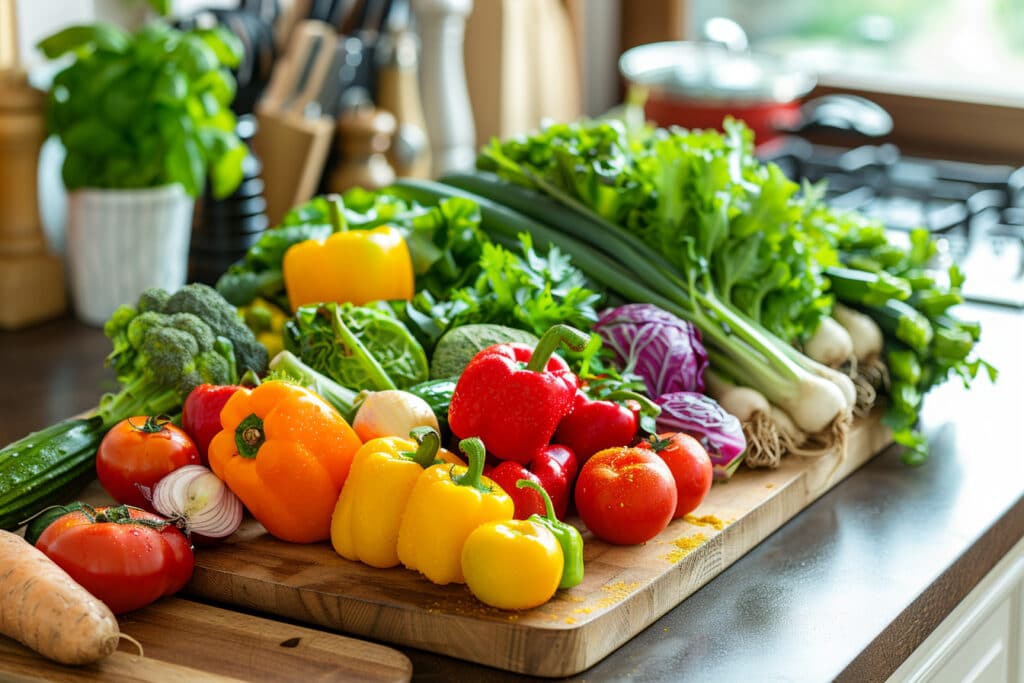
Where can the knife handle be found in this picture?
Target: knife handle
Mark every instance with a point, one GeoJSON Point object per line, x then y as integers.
{"type": "Point", "coordinates": [284, 79]}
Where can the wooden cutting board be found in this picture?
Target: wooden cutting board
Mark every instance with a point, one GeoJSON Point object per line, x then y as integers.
{"type": "Point", "coordinates": [624, 590]}
{"type": "Point", "coordinates": [189, 642]}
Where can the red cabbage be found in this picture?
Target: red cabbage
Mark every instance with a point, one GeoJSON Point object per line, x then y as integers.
{"type": "Point", "coordinates": [665, 351]}
{"type": "Point", "coordinates": [702, 418]}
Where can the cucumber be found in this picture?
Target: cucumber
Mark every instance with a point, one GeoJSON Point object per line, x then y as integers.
{"type": "Point", "coordinates": [47, 466]}
{"type": "Point", "coordinates": [438, 394]}
{"type": "Point", "coordinates": [458, 346]}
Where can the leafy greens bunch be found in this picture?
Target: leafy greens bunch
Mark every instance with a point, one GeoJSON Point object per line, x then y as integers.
{"type": "Point", "coordinates": [698, 197]}
{"type": "Point", "coordinates": [146, 109]}
{"type": "Point", "coordinates": [517, 286]}
{"type": "Point", "coordinates": [911, 302]}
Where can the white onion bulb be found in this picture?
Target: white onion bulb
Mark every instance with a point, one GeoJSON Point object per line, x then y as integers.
{"type": "Point", "coordinates": [203, 503]}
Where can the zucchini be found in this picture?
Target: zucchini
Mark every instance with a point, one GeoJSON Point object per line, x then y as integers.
{"type": "Point", "coordinates": [901, 320]}
{"type": "Point", "coordinates": [575, 220]}
{"type": "Point", "coordinates": [438, 395]}
{"type": "Point", "coordinates": [866, 288]}
{"type": "Point", "coordinates": [46, 467]}
{"type": "Point", "coordinates": [501, 222]}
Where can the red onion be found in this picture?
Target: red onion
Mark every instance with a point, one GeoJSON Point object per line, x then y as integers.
{"type": "Point", "coordinates": [193, 497]}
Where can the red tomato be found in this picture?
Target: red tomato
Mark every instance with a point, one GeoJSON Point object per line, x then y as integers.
{"type": "Point", "coordinates": [200, 414]}
{"type": "Point", "coordinates": [625, 495]}
{"type": "Point", "coordinates": [137, 453]}
{"type": "Point", "coordinates": [125, 556]}
{"type": "Point", "coordinates": [690, 466]}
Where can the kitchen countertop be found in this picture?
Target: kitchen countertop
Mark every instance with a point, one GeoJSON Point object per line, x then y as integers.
{"type": "Point", "coordinates": [846, 590]}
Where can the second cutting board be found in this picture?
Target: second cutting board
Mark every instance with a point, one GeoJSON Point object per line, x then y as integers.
{"type": "Point", "coordinates": [190, 642]}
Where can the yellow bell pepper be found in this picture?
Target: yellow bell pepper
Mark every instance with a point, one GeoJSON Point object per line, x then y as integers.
{"type": "Point", "coordinates": [447, 503]}
{"type": "Point", "coordinates": [358, 266]}
{"type": "Point", "coordinates": [513, 564]}
{"type": "Point", "coordinates": [366, 519]}
{"type": "Point", "coordinates": [267, 322]}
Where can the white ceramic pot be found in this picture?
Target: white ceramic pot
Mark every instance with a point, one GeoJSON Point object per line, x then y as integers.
{"type": "Point", "coordinates": [119, 242]}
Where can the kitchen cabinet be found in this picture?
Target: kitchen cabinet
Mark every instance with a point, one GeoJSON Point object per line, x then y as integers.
{"type": "Point", "coordinates": [982, 640]}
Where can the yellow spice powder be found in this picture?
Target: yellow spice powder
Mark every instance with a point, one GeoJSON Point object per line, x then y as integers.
{"type": "Point", "coordinates": [685, 546]}
{"type": "Point", "coordinates": [706, 520]}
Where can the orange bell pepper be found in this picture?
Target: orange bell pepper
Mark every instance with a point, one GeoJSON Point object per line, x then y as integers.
{"type": "Point", "coordinates": [285, 452]}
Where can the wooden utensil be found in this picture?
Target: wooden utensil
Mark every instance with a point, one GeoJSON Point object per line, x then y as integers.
{"type": "Point", "coordinates": [31, 279]}
{"type": "Point", "coordinates": [292, 142]}
{"type": "Point", "coordinates": [186, 641]}
{"type": "Point", "coordinates": [364, 136]}
{"type": "Point", "coordinates": [398, 92]}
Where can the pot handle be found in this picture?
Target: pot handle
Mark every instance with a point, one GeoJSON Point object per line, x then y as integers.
{"type": "Point", "coordinates": [726, 32]}
{"type": "Point", "coordinates": [847, 113]}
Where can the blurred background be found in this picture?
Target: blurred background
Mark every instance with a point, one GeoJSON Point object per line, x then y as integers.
{"type": "Point", "coordinates": [909, 110]}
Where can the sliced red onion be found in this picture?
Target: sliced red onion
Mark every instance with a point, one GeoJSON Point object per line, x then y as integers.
{"type": "Point", "coordinates": [195, 498]}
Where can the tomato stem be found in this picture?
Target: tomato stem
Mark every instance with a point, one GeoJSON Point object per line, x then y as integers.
{"type": "Point", "coordinates": [152, 425]}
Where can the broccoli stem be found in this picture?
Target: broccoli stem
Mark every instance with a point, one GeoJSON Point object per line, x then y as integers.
{"type": "Point", "coordinates": [342, 398]}
{"type": "Point", "coordinates": [141, 396]}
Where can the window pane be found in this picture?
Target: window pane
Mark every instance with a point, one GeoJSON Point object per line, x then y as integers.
{"type": "Point", "coordinates": [971, 49]}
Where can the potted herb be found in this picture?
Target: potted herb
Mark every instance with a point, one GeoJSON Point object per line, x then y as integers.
{"type": "Point", "coordinates": [145, 120]}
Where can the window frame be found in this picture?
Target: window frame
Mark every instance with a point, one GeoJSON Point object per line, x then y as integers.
{"type": "Point", "coordinates": [924, 124]}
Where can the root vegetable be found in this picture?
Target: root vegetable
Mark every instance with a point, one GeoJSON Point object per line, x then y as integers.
{"type": "Point", "coordinates": [767, 442]}
{"type": "Point", "coordinates": [831, 344]}
{"type": "Point", "coordinates": [864, 332]}
{"type": "Point", "coordinates": [392, 412]}
{"type": "Point", "coordinates": [45, 609]}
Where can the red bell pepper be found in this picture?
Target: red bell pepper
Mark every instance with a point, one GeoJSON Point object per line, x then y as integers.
{"type": "Point", "coordinates": [546, 470]}
{"type": "Point", "coordinates": [200, 415]}
{"type": "Point", "coordinates": [513, 397]}
{"type": "Point", "coordinates": [593, 426]}
{"type": "Point", "coordinates": [527, 501]}
{"type": "Point", "coordinates": [555, 467]}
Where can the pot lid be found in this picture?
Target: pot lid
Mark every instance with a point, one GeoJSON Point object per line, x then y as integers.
{"type": "Point", "coordinates": [710, 71]}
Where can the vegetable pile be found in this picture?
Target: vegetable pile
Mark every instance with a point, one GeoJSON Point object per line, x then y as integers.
{"type": "Point", "coordinates": [601, 321]}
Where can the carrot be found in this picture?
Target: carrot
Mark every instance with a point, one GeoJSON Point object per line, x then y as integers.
{"type": "Point", "coordinates": [43, 608]}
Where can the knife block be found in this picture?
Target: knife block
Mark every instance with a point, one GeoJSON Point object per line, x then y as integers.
{"type": "Point", "coordinates": [31, 279]}
{"type": "Point", "coordinates": [293, 150]}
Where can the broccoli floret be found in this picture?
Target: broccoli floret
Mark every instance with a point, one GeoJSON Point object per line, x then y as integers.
{"type": "Point", "coordinates": [194, 326]}
{"type": "Point", "coordinates": [116, 329]}
{"type": "Point", "coordinates": [142, 324]}
{"type": "Point", "coordinates": [168, 354]}
{"type": "Point", "coordinates": [206, 303]}
{"type": "Point", "coordinates": [169, 344]}
{"type": "Point", "coordinates": [153, 299]}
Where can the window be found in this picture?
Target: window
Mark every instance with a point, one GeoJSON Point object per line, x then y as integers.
{"type": "Point", "coordinates": [952, 49]}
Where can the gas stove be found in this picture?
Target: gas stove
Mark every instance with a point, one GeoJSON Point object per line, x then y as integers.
{"type": "Point", "coordinates": [975, 211]}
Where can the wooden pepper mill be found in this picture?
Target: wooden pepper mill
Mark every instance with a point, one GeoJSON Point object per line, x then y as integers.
{"type": "Point", "coordinates": [31, 279]}
{"type": "Point", "coordinates": [363, 138]}
{"type": "Point", "coordinates": [398, 92]}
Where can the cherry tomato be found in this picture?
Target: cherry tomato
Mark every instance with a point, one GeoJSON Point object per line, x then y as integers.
{"type": "Point", "coordinates": [125, 556]}
{"type": "Point", "coordinates": [625, 496]}
{"type": "Point", "coordinates": [690, 466]}
{"type": "Point", "coordinates": [137, 453]}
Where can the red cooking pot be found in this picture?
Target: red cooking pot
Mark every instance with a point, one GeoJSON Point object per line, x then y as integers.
{"type": "Point", "coordinates": [697, 84]}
